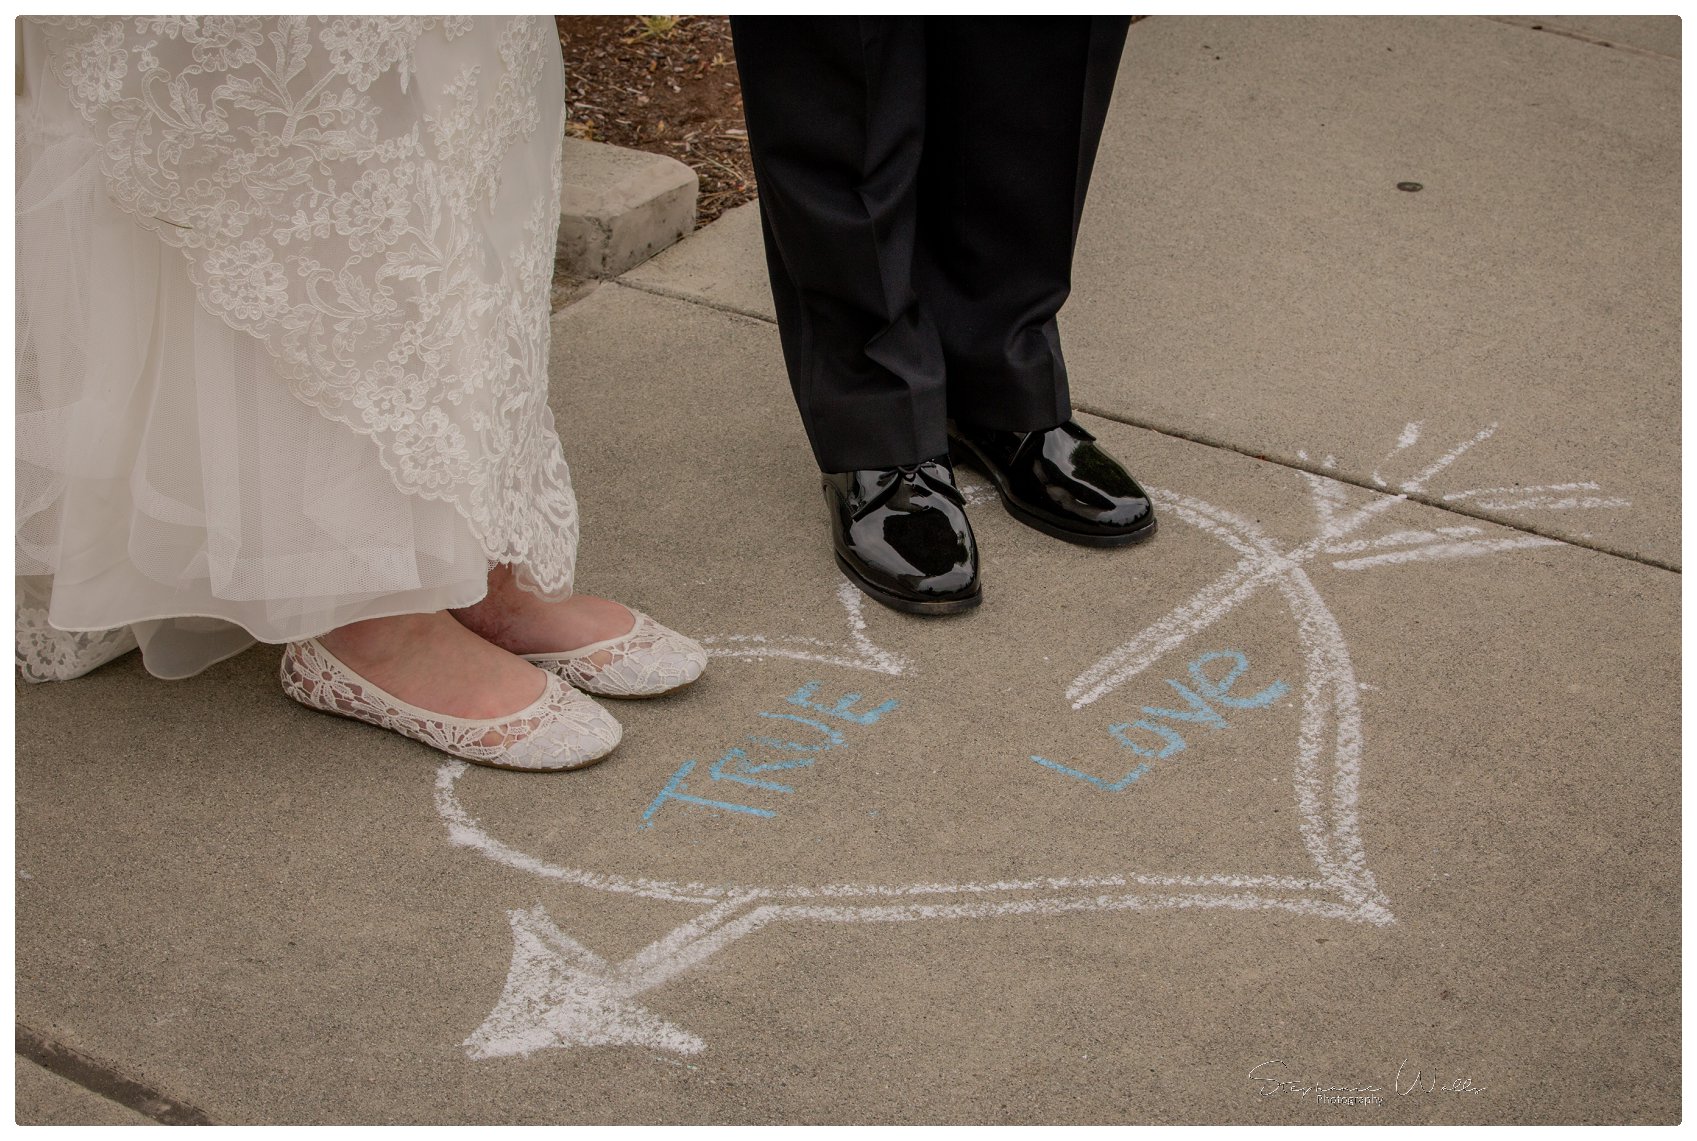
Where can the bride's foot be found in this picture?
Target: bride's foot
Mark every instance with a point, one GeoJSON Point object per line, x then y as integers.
{"type": "Point", "coordinates": [435, 663]}
{"type": "Point", "coordinates": [428, 677]}
{"type": "Point", "coordinates": [521, 623]}
{"type": "Point", "coordinates": [596, 644]}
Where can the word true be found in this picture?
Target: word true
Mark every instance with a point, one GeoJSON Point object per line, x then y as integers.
{"type": "Point", "coordinates": [753, 767]}
{"type": "Point", "coordinates": [1155, 736]}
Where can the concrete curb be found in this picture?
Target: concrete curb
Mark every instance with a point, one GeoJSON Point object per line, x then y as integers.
{"type": "Point", "coordinates": [619, 207]}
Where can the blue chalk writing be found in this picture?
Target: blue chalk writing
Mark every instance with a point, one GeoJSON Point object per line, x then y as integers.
{"type": "Point", "coordinates": [737, 766]}
{"type": "Point", "coordinates": [1216, 690]}
{"type": "Point", "coordinates": [742, 770]}
{"type": "Point", "coordinates": [1120, 785]}
{"type": "Point", "coordinates": [833, 739]}
{"type": "Point", "coordinates": [1200, 710]}
{"type": "Point", "coordinates": [1172, 741]}
{"type": "Point", "coordinates": [674, 791]}
{"type": "Point", "coordinates": [803, 698]}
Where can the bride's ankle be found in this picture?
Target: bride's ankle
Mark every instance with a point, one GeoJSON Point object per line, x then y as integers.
{"type": "Point", "coordinates": [491, 619]}
{"type": "Point", "coordinates": [495, 617]}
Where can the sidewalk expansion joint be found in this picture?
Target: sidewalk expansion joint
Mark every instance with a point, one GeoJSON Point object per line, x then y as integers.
{"type": "Point", "coordinates": [102, 1079]}
{"type": "Point", "coordinates": [1357, 481]}
{"type": "Point", "coordinates": [1207, 441]}
{"type": "Point", "coordinates": [692, 299]}
{"type": "Point", "coordinates": [1582, 37]}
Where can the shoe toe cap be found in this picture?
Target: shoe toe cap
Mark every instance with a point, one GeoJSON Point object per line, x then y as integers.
{"type": "Point", "coordinates": [656, 672]}
{"type": "Point", "coordinates": [654, 660]}
{"type": "Point", "coordinates": [576, 732]}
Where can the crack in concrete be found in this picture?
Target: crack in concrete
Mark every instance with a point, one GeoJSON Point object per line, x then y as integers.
{"type": "Point", "coordinates": [693, 299]}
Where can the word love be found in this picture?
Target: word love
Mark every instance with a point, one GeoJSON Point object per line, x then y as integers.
{"type": "Point", "coordinates": [756, 766]}
{"type": "Point", "coordinates": [1156, 736]}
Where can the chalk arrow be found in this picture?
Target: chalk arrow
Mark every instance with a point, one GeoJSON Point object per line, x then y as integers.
{"type": "Point", "coordinates": [561, 994]}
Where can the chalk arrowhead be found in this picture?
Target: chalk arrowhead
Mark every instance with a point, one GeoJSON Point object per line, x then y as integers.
{"type": "Point", "coordinates": [561, 994]}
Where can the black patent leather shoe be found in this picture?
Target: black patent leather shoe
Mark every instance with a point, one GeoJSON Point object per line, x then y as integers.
{"type": "Point", "coordinates": [1060, 482]}
{"type": "Point", "coordinates": [901, 535]}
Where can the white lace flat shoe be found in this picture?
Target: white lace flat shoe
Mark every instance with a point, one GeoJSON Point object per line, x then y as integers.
{"type": "Point", "coordinates": [647, 661]}
{"type": "Point", "coordinates": [560, 730]}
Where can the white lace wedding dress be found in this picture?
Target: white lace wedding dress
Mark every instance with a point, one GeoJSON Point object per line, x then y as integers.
{"type": "Point", "coordinates": [282, 328]}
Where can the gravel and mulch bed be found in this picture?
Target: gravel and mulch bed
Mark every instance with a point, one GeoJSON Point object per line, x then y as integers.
{"type": "Point", "coordinates": [663, 84]}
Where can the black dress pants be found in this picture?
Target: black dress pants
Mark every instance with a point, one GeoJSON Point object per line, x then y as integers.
{"type": "Point", "coordinates": [921, 181]}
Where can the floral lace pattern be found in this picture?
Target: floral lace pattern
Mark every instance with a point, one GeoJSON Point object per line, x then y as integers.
{"type": "Point", "coordinates": [321, 212]}
{"type": "Point", "coordinates": [49, 654]}
{"type": "Point", "coordinates": [648, 661]}
{"type": "Point", "coordinates": [562, 729]}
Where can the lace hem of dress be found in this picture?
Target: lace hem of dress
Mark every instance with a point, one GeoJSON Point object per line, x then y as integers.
{"type": "Point", "coordinates": [321, 214]}
{"type": "Point", "coordinates": [46, 653]}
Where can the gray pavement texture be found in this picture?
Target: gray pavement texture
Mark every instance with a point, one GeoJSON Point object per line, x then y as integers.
{"type": "Point", "coordinates": [1360, 780]}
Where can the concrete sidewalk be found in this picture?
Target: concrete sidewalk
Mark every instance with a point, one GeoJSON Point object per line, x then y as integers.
{"type": "Point", "coordinates": [1364, 774]}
